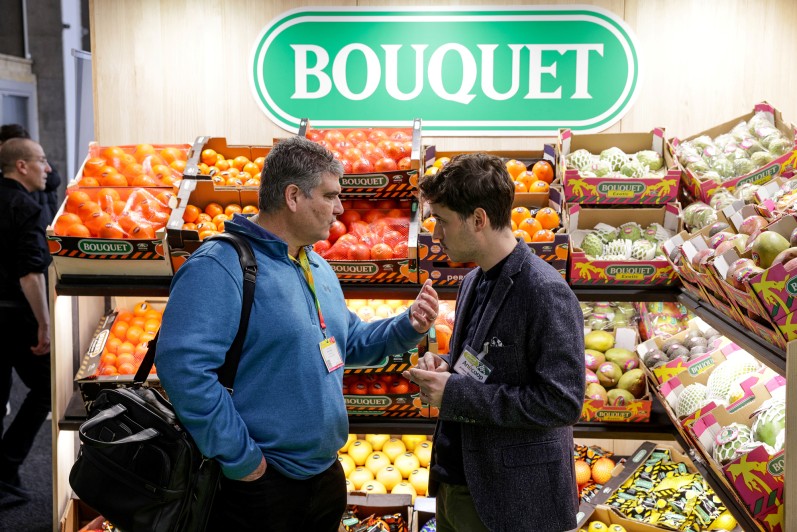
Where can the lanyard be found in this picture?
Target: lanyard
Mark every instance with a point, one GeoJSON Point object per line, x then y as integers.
{"type": "Point", "coordinates": [304, 262]}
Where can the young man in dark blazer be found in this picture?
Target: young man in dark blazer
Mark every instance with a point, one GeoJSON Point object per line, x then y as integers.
{"type": "Point", "coordinates": [513, 385]}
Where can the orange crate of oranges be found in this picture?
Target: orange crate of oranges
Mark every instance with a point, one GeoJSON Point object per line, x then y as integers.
{"type": "Point", "coordinates": [202, 210]}
{"type": "Point", "coordinates": [119, 345]}
{"type": "Point", "coordinates": [139, 165]}
{"type": "Point", "coordinates": [111, 231]}
{"type": "Point", "coordinates": [236, 166]}
{"type": "Point", "coordinates": [377, 162]}
{"type": "Point", "coordinates": [617, 168]}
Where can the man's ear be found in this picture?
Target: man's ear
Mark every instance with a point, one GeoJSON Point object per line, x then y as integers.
{"type": "Point", "coordinates": [291, 196]}
{"type": "Point", "coordinates": [480, 219]}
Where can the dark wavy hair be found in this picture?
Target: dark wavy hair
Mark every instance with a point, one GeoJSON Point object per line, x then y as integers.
{"type": "Point", "coordinates": [470, 181]}
{"type": "Point", "coordinates": [13, 131]}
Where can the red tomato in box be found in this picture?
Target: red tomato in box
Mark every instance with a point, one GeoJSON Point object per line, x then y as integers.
{"type": "Point", "coordinates": [321, 247]}
{"type": "Point", "coordinates": [362, 166]}
{"type": "Point", "coordinates": [359, 252]}
{"type": "Point", "coordinates": [373, 215]}
{"type": "Point", "coordinates": [381, 252]}
{"type": "Point", "coordinates": [348, 217]}
{"type": "Point", "coordinates": [385, 164]}
{"type": "Point", "coordinates": [405, 163]}
{"type": "Point", "coordinates": [401, 250]}
{"type": "Point", "coordinates": [337, 230]}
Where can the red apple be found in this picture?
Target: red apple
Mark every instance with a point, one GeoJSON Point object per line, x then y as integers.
{"type": "Point", "coordinates": [752, 224]}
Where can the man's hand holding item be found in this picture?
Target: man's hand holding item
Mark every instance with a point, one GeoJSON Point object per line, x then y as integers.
{"type": "Point", "coordinates": [424, 309]}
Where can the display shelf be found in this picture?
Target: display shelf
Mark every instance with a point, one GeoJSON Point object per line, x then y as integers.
{"type": "Point", "coordinates": [103, 285]}
{"type": "Point", "coordinates": [769, 354]}
{"type": "Point", "coordinates": [630, 293]}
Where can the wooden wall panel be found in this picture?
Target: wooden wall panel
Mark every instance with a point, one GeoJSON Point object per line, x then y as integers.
{"type": "Point", "coordinates": [169, 71]}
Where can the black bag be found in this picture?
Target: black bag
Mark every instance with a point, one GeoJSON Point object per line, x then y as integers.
{"type": "Point", "coordinates": [138, 466]}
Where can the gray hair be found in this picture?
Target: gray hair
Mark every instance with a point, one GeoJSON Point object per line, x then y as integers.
{"type": "Point", "coordinates": [294, 161]}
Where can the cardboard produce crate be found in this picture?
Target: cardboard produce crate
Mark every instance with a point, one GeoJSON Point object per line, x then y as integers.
{"type": "Point", "coordinates": [365, 505]}
{"type": "Point", "coordinates": [386, 184]}
{"type": "Point", "coordinates": [584, 271]}
{"type": "Point", "coordinates": [757, 477]}
{"type": "Point", "coordinates": [386, 404]}
{"type": "Point", "coordinates": [649, 190]}
{"type": "Point", "coordinates": [104, 256]}
{"type": "Point", "coordinates": [703, 189]}
{"type": "Point", "coordinates": [219, 145]}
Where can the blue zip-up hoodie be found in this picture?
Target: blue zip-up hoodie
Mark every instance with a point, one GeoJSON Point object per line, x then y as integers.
{"type": "Point", "coordinates": [286, 405]}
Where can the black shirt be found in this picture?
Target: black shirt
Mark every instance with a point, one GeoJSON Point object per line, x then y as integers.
{"type": "Point", "coordinates": [448, 466]}
{"type": "Point", "coordinates": [22, 241]}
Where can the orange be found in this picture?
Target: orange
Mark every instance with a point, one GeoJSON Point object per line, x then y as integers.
{"type": "Point", "coordinates": [119, 328]}
{"type": "Point", "coordinates": [543, 235]}
{"type": "Point", "coordinates": [141, 308]}
{"type": "Point", "coordinates": [206, 233]}
{"type": "Point", "coordinates": [89, 182]}
{"type": "Point", "coordinates": [240, 161]}
{"type": "Point", "coordinates": [134, 333]}
{"type": "Point", "coordinates": [108, 369]}
{"type": "Point", "coordinates": [219, 220]}
{"type": "Point", "coordinates": [548, 218]}
{"type": "Point", "coordinates": [172, 154]}
{"type": "Point", "coordinates": [523, 235]}
{"type": "Point", "coordinates": [530, 225]}
{"type": "Point", "coordinates": [132, 170]}
{"type": "Point", "coordinates": [189, 227]}
{"type": "Point", "coordinates": [232, 208]}
{"type": "Point", "coordinates": [602, 470]}
{"type": "Point", "coordinates": [203, 168]}
{"type": "Point", "coordinates": [108, 359]}
{"type": "Point", "coordinates": [151, 326]}
{"type": "Point", "coordinates": [126, 368]}
{"type": "Point", "coordinates": [92, 166]}
{"type": "Point", "coordinates": [429, 224]}
{"type": "Point", "coordinates": [147, 336]}
{"type": "Point", "coordinates": [75, 199]}
{"type": "Point", "coordinates": [249, 209]}
{"type": "Point", "coordinates": [260, 161]}
{"type": "Point", "coordinates": [191, 213]}
{"type": "Point", "coordinates": [109, 193]}
{"type": "Point", "coordinates": [143, 151]}
{"type": "Point", "coordinates": [97, 221]}
{"type": "Point", "coordinates": [114, 180]}
{"type": "Point", "coordinates": [125, 348]}
{"type": "Point", "coordinates": [110, 153]}
{"type": "Point", "coordinates": [203, 217]}
{"type": "Point", "coordinates": [251, 168]}
{"type": "Point", "coordinates": [124, 315]}
{"type": "Point", "coordinates": [254, 182]}
{"type": "Point", "coordinates": [78, 230]}
{"type": "Point", "coordinates": [443, 333]}
{"type": "Point", "coordinates": [153, 314]}
{"type": "Point", "coordinates": [527, 178]}
{"type": "Point", "coordinates": [208, 157]}
{"type": "Point", "coordinates": [86, 210]}
{"type": "Point", "coordinates": [119, 207]}
{"type": "Point", "coordinates": [539, 186]}
{"type": "Point", "coordinates": [520, 187]}
{"type": "Point", "coordinates": [583, 472]}
{"type": "Point", "coordinates": [125, 161]}
{"type": "Point", "coordinates": [513, 225]}
{"type": "Point", "coordinates": [519, 214]}
{"type": "Point", "coordinates": [222, 164]}
{"type": "Point", "coordinates": [178, 166]}
{"type": "Point", "coordinates": [159, 171]}
{"type": "Point", "coordinates": [144, 181]}
{"type": "Point", "coordinates": [164, 197]}
{"type": "Point", "coordinates": [213, 209]}
{"type": "Point", "coordinates": [234, 182]}
{"type": "Point", "coordinates": [111, 230]}
{"type": "Point", "coordinates": [63, 222]}
{"type": "Point", "coordinates": [138, 321]}
{"type": "Point", "coordinates": [543, 170]}
{"type": "Point", "coordinates": [515, 167]}
{"type": "Point", "coordinates": [206, 226]}
{"type": "Point", "coordinates": [113, 343]}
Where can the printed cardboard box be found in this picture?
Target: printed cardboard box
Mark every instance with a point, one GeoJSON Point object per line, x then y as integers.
{"type": "Point", "coordinates": [367, 504]}
{"type": "Point", "coordinates": [783, 165]}
{"type": "Point", "coordinates": [650, 190]}
{"type": "Point", "coordinates": [88, 377]}
{"type": "Point", "coordinates": [776, 287]}
{"type": "Point", "coordinates": [423, 511]}
{"type": "Point", "coordinates": [633, 412]}
{"type": "Point", "coordinates": [435, 264]}
{"type": "Point", "coordinates": [757, 477]}
{"type": "Point", "coordinates": [389, 364]}
{"type": "Point", "coordinates": [585, 271]}
{"type": "Point", "coordinates": [228, 151]}
{"type": "Point", "coordinates": [697, 365]}
{"type": "Point", "coordinates": [104, 256]}
{"type": "Point", "coordinates": [388, 184]}
{"type": "Point", "coordinates": [672, 252]}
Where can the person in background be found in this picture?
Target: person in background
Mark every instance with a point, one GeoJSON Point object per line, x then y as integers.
{"type": "Point", "coordinates": [24, 316]}
{"type": "Point", "coordinates": [47, 198]}
{"type": "Point", "coordinates": [276, 438]}
{"type": "Point", "coordinates": [513, 384]}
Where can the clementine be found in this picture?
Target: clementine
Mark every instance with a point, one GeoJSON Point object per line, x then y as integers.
{"type": "Point", "coordinates": [523, 235]}
{"type": "Point", "coordinates": [543, 170]}
{"type": "Point", "coordinates": [530, 225]}
{"type": "Point", "coordinates": [548, 218]}
{"type": "Point", "coordinates": [543, 235]}
{"type": "Point", "coordinates": [515, 167]}
{"type": "Point", "coordinates": [519, 214]}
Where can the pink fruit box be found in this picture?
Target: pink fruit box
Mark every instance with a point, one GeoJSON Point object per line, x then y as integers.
{"type": "Point", "coordinates": [756, 477]}
{"type": "Point", "coordinates": [696, 366]}
{"type": "Point", "coordinates": [584, 271]}
{"type": "Point", "coordinates": [776, 287]}
{"type": "Point", "coordinates": [633, 412]}
{"type": "Point", "coordinates": [783, 165]}
{"type": "Point", "coordinates": [650, 190]}
{"type": "Point", "coordinates": [672, 250]}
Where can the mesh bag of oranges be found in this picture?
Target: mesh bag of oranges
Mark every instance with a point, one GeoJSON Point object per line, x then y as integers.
{"type": "Point", "coordinates": [113, 213]}
{"type": "Point", "coordinates": [367, 150]}
{"type": "Point", "coordinates": [140, 165]}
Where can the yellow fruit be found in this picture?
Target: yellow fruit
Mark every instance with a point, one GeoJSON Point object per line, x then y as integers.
{"type": "Point", "coordinates": [419, 478]}
{"type": "Point", "coordinates": [360, 476]}
{"type": "Point", "coordinates": [404, 487]}
{"type": "Point", "coordinates": [597, 526]}
{"type": "Point", "coordinates": [377, 440]}
{"type": "Point", "coordinates": [347, 463]}
{"type": "Point", "coordinates": [373, 486]}
{"type": "Point", "coordinates": [393, 448]}
{"type": "Point", "coordinates": [724, 521]}
{"type": "Point", "coordinates": [376, 461]}
{"type": "Point", "coordinates": [349, 441]}
{"type": "Point", "coordinates": [616, 528]}
{"type": "Point", "coordinates": [359, 451]}
{"type": "Point", "coordinates": [411, 440]}
{"type": "Point", "coordinates": [389, 476]}
{"type": "Point", "coordinates": [349, 486]}
{"type": "Point", "coordinates": [424, 453]}
{"type": "Point", "coordinates": [406, 464]}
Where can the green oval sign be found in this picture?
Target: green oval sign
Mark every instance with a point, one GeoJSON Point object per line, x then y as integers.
{"type": "Point", "coordinates": [105, 247]}
{"type": "Point", "coordinates": [496, 71]}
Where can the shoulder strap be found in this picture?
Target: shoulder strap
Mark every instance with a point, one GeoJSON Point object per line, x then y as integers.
{"type": "Point", "coordinates": [230, 367]}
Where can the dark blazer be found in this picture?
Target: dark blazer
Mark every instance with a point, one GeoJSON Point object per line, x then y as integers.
{"type": "Point", "coordinates": [517, 436]}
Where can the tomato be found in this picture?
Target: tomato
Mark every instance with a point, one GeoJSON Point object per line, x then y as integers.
{"type": "Point", "coordinates": [401, 250]}
{"type": "Point", "coordinates": [352, 154]}
{"type": "Point", "coordinates": [333, 135]}
{"type": "Point", "coordinates": [348, 217]}
{"type": "Point", "coordinates": [347, 240]}
{"type": "Point", "coordinates": [385, 164]}
{"type": "Point", "coordinates": [359, 252]}
{"type": "Point", "coordinates": [362, 204]}
{"type": "Point", "coordinates": [392, 238]}
{"type": "Point", "coordinates": [377, 388]}
{"type": "Point", "coordinates": [381, 252]}
{"type": "Point", "coordinates": [337, 230]}
{"type": "Point", "coordinates": [321, 247]}
{"type": "Point", "coordinates": [405, 163]}
{"type": "Point", "coordinates": [373, 215]}
{"type": "Point", "coordinates": [399, 386]}
{"type": "Point", "coordinates": [386, 204]}
{"type": "Point", "coordinates": [362, 166]}
{"type": "Point", "coordinates": [314, 135]}
{"type": "Point", "coordinates": [358, 389]}
{"type": "Point", "coordinates": [373, 155]}
{"type": "Point", "coordinates": [359, 229]}
{"type": "Point", "coordinates": [347, 168]}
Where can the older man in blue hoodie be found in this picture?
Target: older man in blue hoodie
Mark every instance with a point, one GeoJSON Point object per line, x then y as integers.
{"type": "Point", "coordinates": [277, 437]}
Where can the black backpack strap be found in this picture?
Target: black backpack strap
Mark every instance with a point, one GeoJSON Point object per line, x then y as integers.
{"type": "Point", "coordinates": [230, 367]}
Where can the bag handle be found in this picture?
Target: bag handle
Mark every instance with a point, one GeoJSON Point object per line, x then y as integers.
{"type": "Point", "coordinates": [108, 413]}
{"type": "Point", "coordinates": [230, 367]}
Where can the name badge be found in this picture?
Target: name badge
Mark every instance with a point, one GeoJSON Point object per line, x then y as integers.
{"type": "Point", "coordinates": [330, 353]}
{"type": "Point", "coordinates": [472, 365]}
